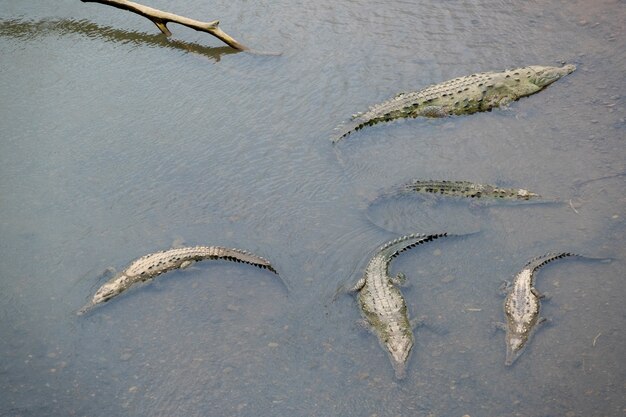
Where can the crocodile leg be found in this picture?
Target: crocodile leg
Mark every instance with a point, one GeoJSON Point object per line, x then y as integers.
{"type": "Point", "coordinates": [399, 280]}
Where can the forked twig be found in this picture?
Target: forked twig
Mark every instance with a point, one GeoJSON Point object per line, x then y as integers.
{"type": "Point", "coordinates": [161, 19]}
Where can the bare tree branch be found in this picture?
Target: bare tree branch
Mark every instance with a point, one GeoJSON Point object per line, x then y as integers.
{"type": "Point", "coordinates": [161, 19]}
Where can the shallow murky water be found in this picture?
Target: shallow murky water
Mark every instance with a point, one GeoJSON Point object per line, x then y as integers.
{"type": "Point", "coordinates": [117, 142]}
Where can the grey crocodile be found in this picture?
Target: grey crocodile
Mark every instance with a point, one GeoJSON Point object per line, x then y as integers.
{"type": "Point", "coordinates": [522, 306]}
{"type": "Point", "coordinates": [382, 304]}
{"type": "Point", "coordinates": [467, 189]}
{"type": "Point", "coordinates": [154, 264]}
{"type": "Point", "coordinates": [459, 96]}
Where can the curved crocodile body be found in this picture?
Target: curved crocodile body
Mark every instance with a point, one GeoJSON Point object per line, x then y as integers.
{"type": "Point", "coordinates": [522, 306]}
{"type": "Point", "coordinates": [467, 189]}
{"type": "Point", "coordinates": [382, 304]}
{"type": "Point", "coordinates": [154, 264]}
{"type": "Point", "coordinates": [459, 96]}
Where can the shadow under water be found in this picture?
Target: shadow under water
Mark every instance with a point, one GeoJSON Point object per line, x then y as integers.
{"type": "Point", "coordinates": [28, 30]}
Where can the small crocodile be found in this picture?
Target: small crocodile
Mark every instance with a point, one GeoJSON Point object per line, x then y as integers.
{"type": "Point", "coordinates": [151, 265]}
{"type": "Point", "coordinates": [382, 304]}
{"type": "Point", "coordinates": [521, 307]}
{"type": "Point", "coordinates": [467, 189]}
{"type": "Point", "coordinates": [459, 96]}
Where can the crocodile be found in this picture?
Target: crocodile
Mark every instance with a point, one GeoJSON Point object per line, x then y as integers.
{"type": "Point", "coordinates": [154, 264]}
{"type": "Point", "coordinates": [521, 307]}
{"type": "Point", "coordinates": [467, 189]}
{"type": "Point", "coordinates": [459, 96]}
{"type": "Point", "coordinates": [382, 305]}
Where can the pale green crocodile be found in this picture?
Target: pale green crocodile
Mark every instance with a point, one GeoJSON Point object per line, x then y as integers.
{"type": "Point", "coordinates": [459, 96]}
{"type": "Point", "coordinates": [522, 306]}
{"type": "Point", "coordinates": [149, 266]}
{"type": "Point", "coordinates": [382, 304]}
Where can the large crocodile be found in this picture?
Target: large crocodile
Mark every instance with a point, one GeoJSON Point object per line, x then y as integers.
{"type": "Point", "coordinates": [521, 307]}
{"type": "Point", "coordinates": [151, 265]}
{"type": "Point", "coordinates": [382, 304]}
{"type": "Point", "coordinates": [459, 96]}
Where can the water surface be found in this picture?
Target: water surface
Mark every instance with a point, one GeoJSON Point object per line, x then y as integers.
{"type": "Point", "coordinates": [117, 142]}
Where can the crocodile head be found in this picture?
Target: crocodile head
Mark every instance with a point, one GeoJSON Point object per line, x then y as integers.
{"type": "Point", "coordinates": [106, 292]}
{"type": "Point", "coordinates": [514, 347]}
{"type": "Point", "coordinates": [544, 76]}
{"type": "Point", "coordinates": [399, 348]}
{"type": "Point", "coordinates": [525, 194]}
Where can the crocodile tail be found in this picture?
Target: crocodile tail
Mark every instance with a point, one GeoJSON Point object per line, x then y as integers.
{"type": "Point", "coordinates": [540, 261]}
{"type": "Point", "coordinates": [347, 128]}
{"type": "Point", "coordinates": [399, 245]}
{"type": "Point", "coordinates": [386, 111]}
{"type": "Point", "coordinates": [238, 255]}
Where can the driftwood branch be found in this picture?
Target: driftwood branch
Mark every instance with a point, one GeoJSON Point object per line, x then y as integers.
{"type": "Point", "coordinates": [161, 19]}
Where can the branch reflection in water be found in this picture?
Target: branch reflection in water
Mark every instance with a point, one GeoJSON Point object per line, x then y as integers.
{"type": "Point", "coordinates": [30, 30]}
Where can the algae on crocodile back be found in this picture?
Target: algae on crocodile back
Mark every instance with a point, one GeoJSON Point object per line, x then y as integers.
{"type": "Point", "coordinates": [459, 96]}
